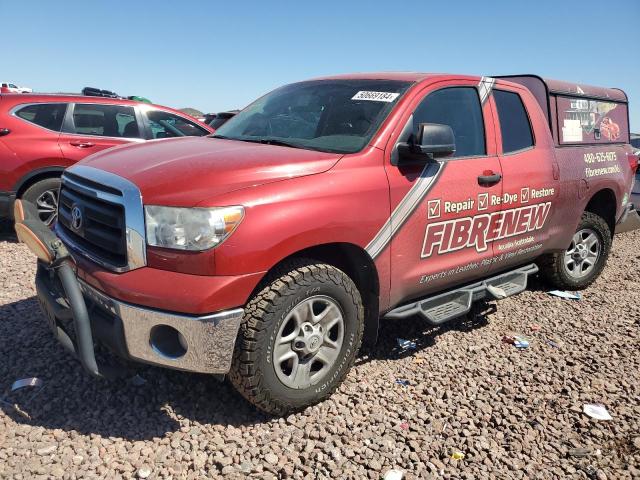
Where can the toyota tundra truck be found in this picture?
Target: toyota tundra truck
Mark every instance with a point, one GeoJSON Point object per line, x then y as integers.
{"type": "Point", "coordinates": [270, 250]}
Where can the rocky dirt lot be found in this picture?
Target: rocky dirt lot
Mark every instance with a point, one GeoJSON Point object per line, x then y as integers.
{"type": "Point", "coordinates": [511, 413]}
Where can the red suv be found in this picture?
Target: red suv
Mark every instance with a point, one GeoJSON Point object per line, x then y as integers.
{"type": "Point", "coordinates": [41, 135]}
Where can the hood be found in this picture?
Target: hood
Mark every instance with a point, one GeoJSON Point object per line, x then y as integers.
{"type": "Point", "coordinates": [187, 171]}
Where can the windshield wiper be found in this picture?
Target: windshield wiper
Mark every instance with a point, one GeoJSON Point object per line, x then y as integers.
{"type": "Point", "coordinates": [280, 143]}
{"type": "Point", "coordinates": [269, 141]}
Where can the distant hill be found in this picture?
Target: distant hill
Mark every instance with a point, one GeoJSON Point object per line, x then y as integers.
{"type": "Point", "coordinates": [192, 111]}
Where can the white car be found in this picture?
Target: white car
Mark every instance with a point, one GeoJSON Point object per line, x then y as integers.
{"type": "Point", "coordinates": [6, 87]}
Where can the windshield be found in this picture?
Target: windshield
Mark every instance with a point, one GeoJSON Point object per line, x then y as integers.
{"type": "Point", "coordinates": [327, 115]}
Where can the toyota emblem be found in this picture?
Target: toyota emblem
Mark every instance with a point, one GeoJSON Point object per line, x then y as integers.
{"type": "Point", "coordinates": [76, 218]}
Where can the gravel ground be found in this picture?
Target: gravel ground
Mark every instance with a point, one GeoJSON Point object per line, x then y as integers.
{"type": "Point", "coordinates": [512, 413]}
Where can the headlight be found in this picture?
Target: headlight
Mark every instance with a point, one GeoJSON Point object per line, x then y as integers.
{"type": "Point", "coordinates": [190, 228]}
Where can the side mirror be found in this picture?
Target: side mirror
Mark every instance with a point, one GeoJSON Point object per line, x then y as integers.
{"type": "Point", "coordinates": [433, 141]}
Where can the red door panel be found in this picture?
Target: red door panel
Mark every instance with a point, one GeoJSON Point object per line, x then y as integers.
{"type": "Point", "coordinates": [529, 181]}
{"type": "Point", "coordinates": [437, 231]}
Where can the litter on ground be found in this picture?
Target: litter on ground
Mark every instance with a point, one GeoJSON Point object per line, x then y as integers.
{"type": "Point", "coordinates": [518, 341]}
{"type": "Point", "coordinates": [497, 292]}
{"type": "Point", "coordinates": [406, 344]}
{"type": "Point", "coordinates": [33, 382]}
{"type": "Point", "coordinates": [565, 294]}
{"type": "Point", "coordinates": [404, 383]}
{"type": "Point", "coordinates": [597, 411]}
{"type": "Point", "coordinates": [457, 455]}
{"type": "Point", "coordinates": [394, 474]}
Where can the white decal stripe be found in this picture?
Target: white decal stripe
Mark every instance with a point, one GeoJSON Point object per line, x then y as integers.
{"type": "Point", "coordinates": [405, 208]}
{"type": "Point", "coordinates": [484, 88]}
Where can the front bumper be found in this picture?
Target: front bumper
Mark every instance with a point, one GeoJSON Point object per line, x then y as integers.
{"type": "Point", "coordinates": [202, 344]}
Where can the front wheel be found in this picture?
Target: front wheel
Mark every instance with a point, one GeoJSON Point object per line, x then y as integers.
{"type": "Point", "coordinates": [583, 261]}
{"type": "Point", "coordinates": [44, 195]}
{"type": "Point", "coordinates": [299, 337]}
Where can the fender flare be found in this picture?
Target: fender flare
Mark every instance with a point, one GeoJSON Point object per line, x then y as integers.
{"type": "Point", "coordinates": [46, 172]}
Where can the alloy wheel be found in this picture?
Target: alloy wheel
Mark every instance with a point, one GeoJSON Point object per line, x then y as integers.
{"type": "Point", "coordinates": [583, 253]}
{"type": "Point", "coordinates": [308, 342]}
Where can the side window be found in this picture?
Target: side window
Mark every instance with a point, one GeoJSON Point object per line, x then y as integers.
{"type": "Point", "coordinates": [105, 120]}
{"type": "Point", "coordinates": [458, 107]}
{"type": "Point", "coordinates": [514, 122]}
{"type": "Point", "coordinates": [46, 115]}
{"type": "Point", "coordinates": [168, 125]}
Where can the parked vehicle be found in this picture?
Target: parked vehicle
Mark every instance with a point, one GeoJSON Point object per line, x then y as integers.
{"type": "Point", "coordinates": [6, 87]}
{"type": "Point", "coordinates": [635, 193]}
{"type": "Point", "coordinates": [216, 120]}
{"type": "Point", "coordinates": [41, 135]}
{"type": "Point", "coordinates": [270, 250]}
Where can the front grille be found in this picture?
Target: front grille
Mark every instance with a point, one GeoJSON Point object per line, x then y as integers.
{"type": "Point", "coordinates": [101, 232]}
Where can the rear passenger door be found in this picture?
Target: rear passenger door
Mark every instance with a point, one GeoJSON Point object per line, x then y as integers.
{"type": "Point", "coordinates": [441, 208]}
{"type": "Point", "coordinates": [91, 127]}
{"type": "Point", "coordinates": [530, 172]}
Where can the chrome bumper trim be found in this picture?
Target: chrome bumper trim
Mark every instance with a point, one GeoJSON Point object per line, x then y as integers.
{"type": "Point", "coordinates": [210, 339]}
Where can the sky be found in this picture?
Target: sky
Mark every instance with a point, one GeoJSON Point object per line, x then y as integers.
{"type": "Point", "coordinates": [220, 55]}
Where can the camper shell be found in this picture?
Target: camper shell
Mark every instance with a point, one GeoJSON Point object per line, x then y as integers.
{"type": "Point", "coordinates": [579, 114]}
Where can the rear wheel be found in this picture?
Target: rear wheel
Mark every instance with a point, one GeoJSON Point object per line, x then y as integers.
{"type": "Point", "coordinates": [44, 195]}
{"type": "Point", "coordinates": [300, 336]}
{"type": "Point", "coordinates": [583, 261]}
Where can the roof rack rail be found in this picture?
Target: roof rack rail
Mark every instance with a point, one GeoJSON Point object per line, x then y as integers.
{"type": "Point", "coordinates": [96, 92]}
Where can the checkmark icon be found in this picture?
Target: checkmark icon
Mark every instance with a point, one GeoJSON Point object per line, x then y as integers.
{"type": "Point", "coordinates": [433, 209]}
{"type": "Point", "coordinates": [483, 201]}
{"type": "Point", "coordinates": [524, 195]}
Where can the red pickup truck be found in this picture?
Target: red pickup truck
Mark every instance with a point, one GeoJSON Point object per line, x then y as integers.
{"type": "Point", "coordinates": [270, 250]}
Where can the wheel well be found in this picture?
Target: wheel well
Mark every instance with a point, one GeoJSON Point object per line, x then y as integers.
{"type": "Point", "coordinates": [359, 266]}
{"type": "Point", "coordinates": [603, 204]}
{"type": "Point", "coordinates": [35, 178]}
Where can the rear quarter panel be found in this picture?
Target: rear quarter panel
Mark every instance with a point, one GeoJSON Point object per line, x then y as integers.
{"type": "Point", "coordinates": [585, 171]}
{"type": "Point", "coordinates": [26, 149]}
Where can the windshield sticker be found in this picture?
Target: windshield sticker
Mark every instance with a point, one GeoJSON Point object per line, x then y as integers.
{"type": "Point", "coordinates": [375, 96]}
{"type": "Point", "coordinates": [571, 131]}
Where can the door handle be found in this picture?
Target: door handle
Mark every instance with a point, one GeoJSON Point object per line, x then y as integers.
{"type": "Point", "coordinates": [82, 144]}
{"type": "Point", "coordinates": [4, 131]}
{"type": "Point", "coordinates": [489, 178]}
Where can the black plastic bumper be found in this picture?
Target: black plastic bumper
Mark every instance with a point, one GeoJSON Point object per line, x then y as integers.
{"type": "Point", "coordinates": [6, 204]}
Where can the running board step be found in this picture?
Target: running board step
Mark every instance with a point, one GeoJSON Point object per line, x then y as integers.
{"type": "Point", "coordinates": [455, 303]}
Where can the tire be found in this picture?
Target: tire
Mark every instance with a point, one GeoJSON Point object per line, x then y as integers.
{"type": "Point", "coordinates": [280, 311]}
{"type": "Point", "coordinates": [44, 195]}
{"type": "Point", "coordinates": [558, 269]}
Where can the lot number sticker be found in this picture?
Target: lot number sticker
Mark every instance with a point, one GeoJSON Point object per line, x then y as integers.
{"type": "Point", "coordinates": [375, 96]}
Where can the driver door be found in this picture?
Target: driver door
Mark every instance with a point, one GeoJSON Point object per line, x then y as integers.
{"type": "Point", "coordinates": [441, 208]}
